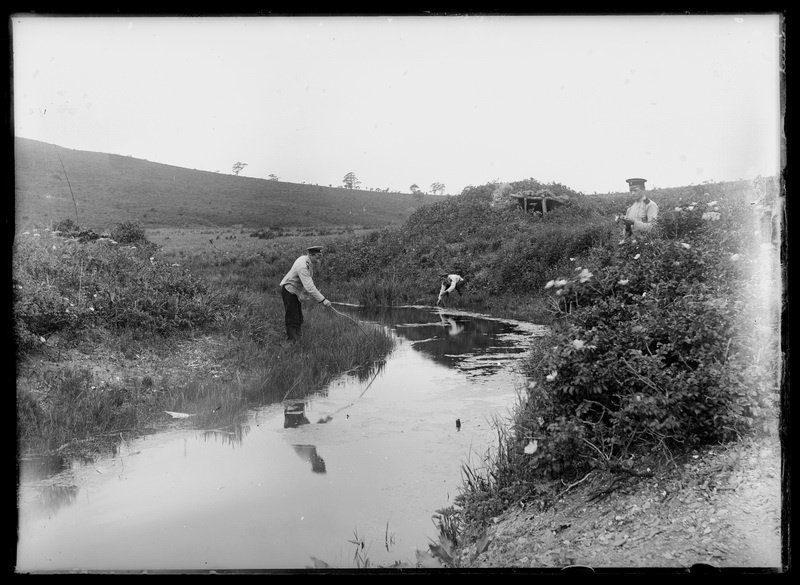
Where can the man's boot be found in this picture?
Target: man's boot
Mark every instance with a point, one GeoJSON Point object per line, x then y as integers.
{"type": "Point", "coordinates": [293, 333]}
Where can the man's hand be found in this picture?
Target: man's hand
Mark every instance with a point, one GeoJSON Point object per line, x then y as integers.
{"type": "Point", "coordinates": [326, 303]}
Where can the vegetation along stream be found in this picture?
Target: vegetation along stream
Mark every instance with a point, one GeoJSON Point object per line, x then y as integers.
{"type": "Point", "coordinates": [381, 453]}
{"type": "Point", "coordinates": [158, 401]}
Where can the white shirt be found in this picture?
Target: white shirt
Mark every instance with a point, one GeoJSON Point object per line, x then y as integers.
{"type": "Point", "coordinates": [300, 280]}
{"type": "Point", "coordinates": [643, 215]}
{"type": "Point", "coordinates": [454, 280]}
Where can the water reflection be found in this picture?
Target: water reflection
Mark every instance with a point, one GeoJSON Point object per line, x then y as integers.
{"type": "Point", "coordinates": [366, 372]}
{"type": "Point", "coordinates": [187, 500]}
{"type": "Point", "coordinates": [233, 434]}
{"type": "Point", "coordinates": [294, 414]}
{"type": "Point", "coordinates": [41, 467]}
{"type": "Point", "coordinates": [51, 497]}
{"type": "Point", "coordinates": [450, 338]}
{"type": "Point", "coordinates": [453, 326]}
{"type": "Point", "coordinates": [47, 495]}
{"type": "Point", "coordinates": [309, 453]}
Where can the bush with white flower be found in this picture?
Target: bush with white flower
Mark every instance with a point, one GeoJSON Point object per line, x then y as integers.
{"type": "Point", "coordinates": [651, 347]}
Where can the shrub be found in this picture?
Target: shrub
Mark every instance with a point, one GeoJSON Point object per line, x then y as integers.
{"type": "Point", "coordinates": [65, 226]}
{"type": "Point", "coordinates": [129, 232]}
{"type": "Point", "coordinates": [653, 351]}
{"type": "Point", "coordinates": [66, 287]}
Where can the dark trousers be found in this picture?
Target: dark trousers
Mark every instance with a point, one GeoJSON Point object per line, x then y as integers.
{"type": "Point", "coordinates": [459, 289]}
{"type": "Point", "coordinates": [294, 314]}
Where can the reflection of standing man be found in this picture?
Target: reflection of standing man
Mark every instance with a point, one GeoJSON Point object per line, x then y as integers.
{"type": "Point", "coordinates": [309, 453]}
{"type": "Point", "coordinates": [450, 283]}
{"type": "Point", "coordinates": [640, 216]}
{"type": "Point", "coordinates": [298, 285]}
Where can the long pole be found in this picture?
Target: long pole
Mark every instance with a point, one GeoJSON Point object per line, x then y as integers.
{"type": "Point", "coordinates": [375, 375]}
{"type": "Point", "coordinates": [74, 203]}
{"type": "Point", "coordinates": [357, 324]}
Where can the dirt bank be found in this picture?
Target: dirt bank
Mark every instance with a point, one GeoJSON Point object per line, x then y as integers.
{"type": "Point", "coordinates": [720, 507]}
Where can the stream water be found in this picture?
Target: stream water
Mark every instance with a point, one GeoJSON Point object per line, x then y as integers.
{"type": "Point", "coordinates": [271, 495]}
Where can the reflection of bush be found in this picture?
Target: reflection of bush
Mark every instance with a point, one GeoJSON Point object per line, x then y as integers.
{"type": "Point", "coordinates": [54, 497]}
{"type": "Point", "coordinates": [367, 371]}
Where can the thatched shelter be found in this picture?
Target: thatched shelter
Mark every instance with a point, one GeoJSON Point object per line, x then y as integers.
{"type": "Point", "coordinates": [540, 201]}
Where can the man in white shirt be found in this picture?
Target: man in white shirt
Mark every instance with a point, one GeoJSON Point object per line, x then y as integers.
{"type": "Point", "coordinates": [298, 286]}
{"type": "Point", "coordinates": [450, 283]}
{"type": "Point", "coordinates": [640, 216]}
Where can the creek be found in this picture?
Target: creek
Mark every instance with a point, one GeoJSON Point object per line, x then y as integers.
{"type": "Point", "coordinates": [267, 494]}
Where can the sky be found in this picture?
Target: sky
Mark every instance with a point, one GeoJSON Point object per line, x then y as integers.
{"type": "Point", "coordinates": [585, 101]}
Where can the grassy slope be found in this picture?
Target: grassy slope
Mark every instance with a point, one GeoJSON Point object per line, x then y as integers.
{"type": "Point", "coordinates": [109, 189]}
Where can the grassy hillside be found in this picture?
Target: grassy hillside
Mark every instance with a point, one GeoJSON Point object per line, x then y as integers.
{"type": "Point", "coordinates": [506, 255]}
{"type": "Point", "coordinates": [109, 189]}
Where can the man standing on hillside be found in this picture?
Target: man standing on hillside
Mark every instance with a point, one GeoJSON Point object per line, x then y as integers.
{"type": "Point", "coordinates": [450, 283]}
{"type": "Point", "coordinates": [298, 286]}
{"type": "Point", "coordinates": [640, 216]}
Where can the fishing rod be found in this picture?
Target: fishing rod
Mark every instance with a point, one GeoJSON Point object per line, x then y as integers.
{"type": "Point", "coordinates": [329, 417]}
{"type": "Point", "coordinates": [357, 325]}
{"type": "Point", "coordinates": [374, 376]}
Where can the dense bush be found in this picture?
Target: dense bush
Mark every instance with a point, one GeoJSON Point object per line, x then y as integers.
{"type": "Point", "coordinates": [129, 232]}
{"type": "Point", "coordinates": [660, 344]}
{"type": "Point", "coordinates": [69, 229]}
{"type": "Point", "coordinates": [62, 286]}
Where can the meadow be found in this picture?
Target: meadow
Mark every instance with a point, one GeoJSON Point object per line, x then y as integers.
{"type": "Point", "coordinates": [660, 343]}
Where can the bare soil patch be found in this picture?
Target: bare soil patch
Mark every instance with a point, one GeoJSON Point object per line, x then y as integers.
{"type": "Point", "coordinates": [721, 507]}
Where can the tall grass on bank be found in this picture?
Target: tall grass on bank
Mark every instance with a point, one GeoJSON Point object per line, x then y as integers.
{"type": "Point", "coordinates": [383, 290]}
{"type": "Point", "coordinates": [58, 407]}
{"type": "Point", "coordinates": [131, 300]}
{"type": "Point", "coordinates": [271, 373]}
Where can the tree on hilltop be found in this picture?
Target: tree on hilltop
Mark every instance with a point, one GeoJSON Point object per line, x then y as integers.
{"type": "Point", "coordinates": [351, 181]}
{"type": "Point", "coordinates": [237, 168]}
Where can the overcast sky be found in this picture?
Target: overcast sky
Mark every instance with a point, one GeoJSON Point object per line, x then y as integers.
{"type": "Point", "coordinates": [586, 101]}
